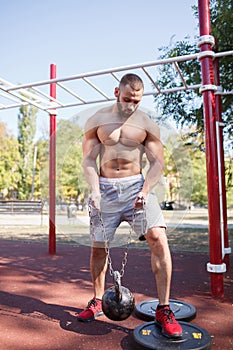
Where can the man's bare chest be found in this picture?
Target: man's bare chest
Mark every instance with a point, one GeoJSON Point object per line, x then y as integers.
{"type": "Point", "coordinates": [115, 133]}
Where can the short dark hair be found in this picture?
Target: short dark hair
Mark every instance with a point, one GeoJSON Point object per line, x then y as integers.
{"type": "Point", "coordinates": [133, 80]}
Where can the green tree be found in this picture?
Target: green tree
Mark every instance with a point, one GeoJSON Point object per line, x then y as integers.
{"type": "Point", "coordinates": [9, 160]}
{"type": "Point", "coordinates": [26, 138]}
{"type": "Point", "coordinates": [178, 171]}
{"type": "Point", "coordinates": [71, 183]}
{"type": "Point", "coordinates": [70, 180]}
{"type": "Point", "coordinates": [229, 180]}
{"type": "Point", "coordinates": [185, 107]}
{"type": "Point", "coordinates": [42, 167]}
{"type": "Point", "coordinates": [222, 30]}
{"type": "Point", "coordinates": [199, 193]}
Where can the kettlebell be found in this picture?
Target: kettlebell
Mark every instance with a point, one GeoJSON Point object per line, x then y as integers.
{"type": "Point", "coordinates": [118, 302]}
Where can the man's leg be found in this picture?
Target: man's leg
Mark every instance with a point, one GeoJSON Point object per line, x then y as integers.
{"type": "Point", "coordinates": [161, 264]}
{"type": "Point", "coordinates": [98, 266]}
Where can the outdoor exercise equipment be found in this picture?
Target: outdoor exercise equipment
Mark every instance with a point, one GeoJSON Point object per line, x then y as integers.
{"type": "Point", "coordinates": [209, 88]}
{"type": "Point", "coordinates": [149, 336]}
{"type": "Point", "coordinates": [118, 302]}
{"type": "Point", "coordinates": [183, 311]}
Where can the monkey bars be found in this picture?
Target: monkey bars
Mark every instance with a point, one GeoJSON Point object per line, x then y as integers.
{"type": "Point", "coordinates": [14, 96]}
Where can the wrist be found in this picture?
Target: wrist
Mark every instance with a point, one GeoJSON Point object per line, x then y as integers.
{"type": "Point", "coordinates": [95, 192]}
{"type": "Point", "coordinates": [142, 194]}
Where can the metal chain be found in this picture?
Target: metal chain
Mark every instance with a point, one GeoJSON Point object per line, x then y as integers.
{"type": "Point", "coordinates": [107, 249]}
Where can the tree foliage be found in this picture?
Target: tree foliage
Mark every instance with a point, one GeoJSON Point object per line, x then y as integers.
{"type": "Point", "coordinates": [178, 170]}
{"type": "Point", "coordinates": [26, 140]}
{"type": "Point", "coordinates": [222, 30]}
{"type": "Point", "coordinates": [185, 107]}
{"type": "Point", "coordinates": [71, 182]}
{"type": "Point", "coordinates": [199, 187]}
{"type": "Point", "coordinates": [9, 160]}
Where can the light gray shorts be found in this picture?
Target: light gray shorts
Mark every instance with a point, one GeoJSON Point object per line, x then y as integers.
{"type": "Point", "coordinates": [117, 201]}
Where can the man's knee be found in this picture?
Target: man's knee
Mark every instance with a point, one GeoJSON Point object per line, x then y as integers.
{"type": "Point", "coordinates": [98, 253]}
{"type": "Point", "coordinates": [157, 238]}
{"type": "Point", "coordinates": [156, 234]}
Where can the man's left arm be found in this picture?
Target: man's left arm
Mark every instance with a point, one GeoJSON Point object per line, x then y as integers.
{"type": "Point", "coordinates": [155, 154]}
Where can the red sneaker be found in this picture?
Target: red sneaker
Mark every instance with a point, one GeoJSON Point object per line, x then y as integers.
{"type": "Point", "coordinates": [93, 310]}
{"type": "Point", "coordinates": [165, 318]}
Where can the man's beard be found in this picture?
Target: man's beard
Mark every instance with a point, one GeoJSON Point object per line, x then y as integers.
{"type": "Point", "coordinates": [124, 112]}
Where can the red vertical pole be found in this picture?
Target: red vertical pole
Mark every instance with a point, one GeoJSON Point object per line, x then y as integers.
{"type": "Point", "coordinates": [215, 264]}
{"type": "Point", "coordinates": [222, 179]}
{"type": "Point", "coordinates": [52, 168]}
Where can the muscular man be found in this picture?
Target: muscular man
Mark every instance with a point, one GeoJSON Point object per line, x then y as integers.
{"type": "Point", "coordinates": [115, 140]}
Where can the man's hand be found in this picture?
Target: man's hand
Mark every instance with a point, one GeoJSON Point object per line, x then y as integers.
{"type": "Point", "coordinates": [95, 200]}
{"type": "Point", "coordinates": [140, 201]}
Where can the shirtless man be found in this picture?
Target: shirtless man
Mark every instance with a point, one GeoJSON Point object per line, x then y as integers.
{"type": "Point", "coordinates": [116, 138]}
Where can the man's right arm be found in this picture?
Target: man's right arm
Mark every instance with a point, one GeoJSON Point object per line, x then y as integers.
{"type": "Point", "coordinates": [91, 149]}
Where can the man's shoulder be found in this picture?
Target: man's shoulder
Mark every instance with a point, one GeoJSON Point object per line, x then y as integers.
{"type": "Point", "coordinates": [146, 119]}
{"type": "Point", "coordinates": [98, 118]}
{"type": "Point", "coordinates": [149, 124]}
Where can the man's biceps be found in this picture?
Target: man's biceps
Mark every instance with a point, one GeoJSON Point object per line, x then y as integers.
{"type": "Point", "coordinates": [154, 150]}
{"type": "Point", "coordinates": [92, 151]}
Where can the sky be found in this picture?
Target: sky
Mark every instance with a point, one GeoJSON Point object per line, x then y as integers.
{"type": "Point", "coordinates": [82, 36]}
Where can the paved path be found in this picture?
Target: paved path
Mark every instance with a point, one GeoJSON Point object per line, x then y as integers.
{"type": "Point", "coordinates": [174, 218]}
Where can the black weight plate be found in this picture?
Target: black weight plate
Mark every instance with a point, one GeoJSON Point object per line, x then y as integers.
{"type": "Point", "coordinates": [182, 311]}
{"type": "Point", "coordinates": [149, 336]}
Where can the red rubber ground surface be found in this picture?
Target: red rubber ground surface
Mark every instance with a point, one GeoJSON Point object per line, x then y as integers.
{"type": "Point", "coordinates": [40, 295]}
